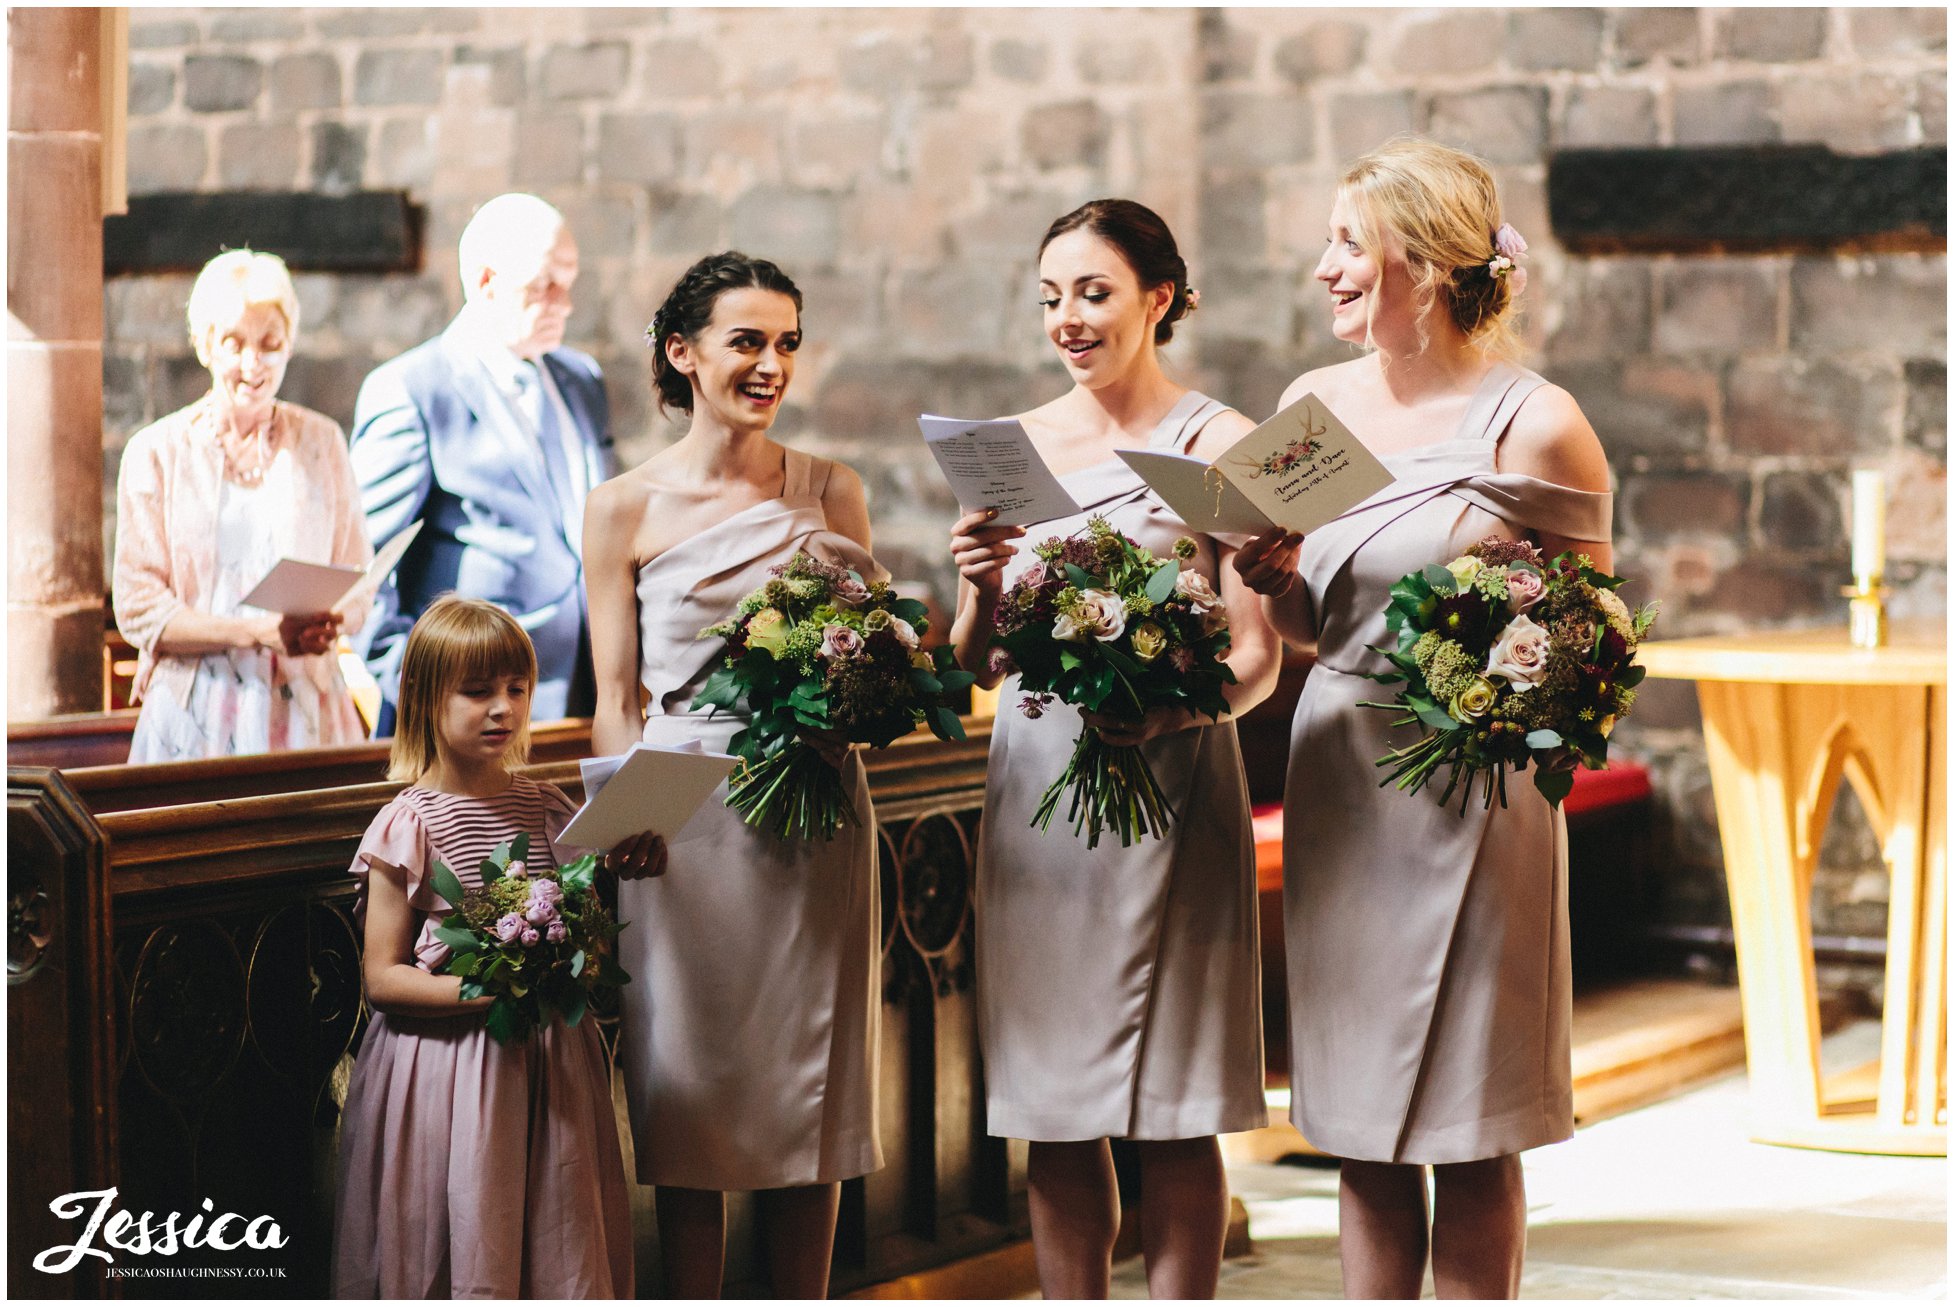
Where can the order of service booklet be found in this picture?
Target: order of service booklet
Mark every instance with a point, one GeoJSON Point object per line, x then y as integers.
{"type": "Point", "coordinates": [1300, 469]}
{"type": "Point", "coordinates": [298, 589]}
{"type": "Point", "coordinates": [648, 787]}
{"type": "Point", "coordinates": [994, 465]}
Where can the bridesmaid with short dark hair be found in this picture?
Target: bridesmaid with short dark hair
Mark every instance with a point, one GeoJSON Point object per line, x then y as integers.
{"type": "Point", "coordinates": [1119, 988]}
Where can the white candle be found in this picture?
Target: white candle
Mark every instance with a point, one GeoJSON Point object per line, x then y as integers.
{"type": "Point", "coordinates": [1868, 523]}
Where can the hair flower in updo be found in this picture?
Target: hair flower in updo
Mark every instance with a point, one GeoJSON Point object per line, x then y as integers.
{"type": "Point", "coordinates": [1191, 298]}
{"type": "Point", "coordinates": [1509, 242]}
{"type": "Point", "coordinates": [1508, 246]}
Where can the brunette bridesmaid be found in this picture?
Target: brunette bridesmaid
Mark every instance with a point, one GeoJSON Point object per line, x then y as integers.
{"type": "Point", "coordinates": [1429, 988]}
{"type": "Point", "coordinates": [1119, 990]}
{"type": "Point", "coordinates": [750, 1028]}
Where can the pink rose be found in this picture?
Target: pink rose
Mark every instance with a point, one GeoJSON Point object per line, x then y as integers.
{"type": "Point", "coordinates": [905, 633]}
{"type": "Point", "coordinates": [509, 928]}
{"type": "Point", "coordinates": [546, 891]}
{"type": "Point", "coordinates": [1197, 590]}
{"type": "Point", "coordinates": [540, 913]}
{"type": "Point", "coordinates": [1509, 242]}
{"type": "Point", "coordinates": [558, 932]}
{"type": "Point", "coordinates": [839, 641]}
{"type": "Point", "coordinates": [1100, 615]}
{"type": "Point", "coordinates": [850, 590]}
{"type": "Point", "coordinates": [531, 937]}
{"type": "Point", "coordinates": [1037, 574]}
{"type": "Point", "coordinates": [518, 869]}
{"type": "Point", "coordinates": [1520, 654]}
{"type": "Point", "coordinates": [1523, 590]}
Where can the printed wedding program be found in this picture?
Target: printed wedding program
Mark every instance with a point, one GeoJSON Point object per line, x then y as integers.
{"type": "Point", "coordinates": [297, 589]}
{"type": "Point", "coordinates": [994, 465]}
{"type": "Point", "coordinates": [1300, 469]}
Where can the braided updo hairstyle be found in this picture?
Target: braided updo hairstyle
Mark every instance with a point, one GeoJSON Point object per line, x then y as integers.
{"type": "Point", "coordinates": [1444, 206]}
{"type": "Point", "coordinates": [1144, 241]}
{"type": "Point", "coordinates": [688, 309]}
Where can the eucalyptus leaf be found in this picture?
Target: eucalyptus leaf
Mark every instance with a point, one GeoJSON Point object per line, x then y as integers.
{"type": "Point", "coordinates": [1440, 579]}
{"type": "Point", "coordinates": [1160, 586]}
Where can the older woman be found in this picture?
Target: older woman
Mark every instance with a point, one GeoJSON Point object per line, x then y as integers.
{"type": "Point", "coordinates": [210, 498]}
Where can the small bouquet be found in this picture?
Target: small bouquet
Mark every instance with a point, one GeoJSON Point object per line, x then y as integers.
{"type": "Point", "coordinates": [1508, 660]}
{"type": "Point", "coordinates": [1105, 626]}
{"type": "Point", "coordinates": [819, 648]}
{"type": "Point", "coordinates": [540, 944]}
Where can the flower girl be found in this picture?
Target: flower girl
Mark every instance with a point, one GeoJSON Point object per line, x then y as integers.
{"type": "Point", "coordinates": [469, 1168]}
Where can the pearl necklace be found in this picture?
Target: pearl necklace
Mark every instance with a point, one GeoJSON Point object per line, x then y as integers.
{"type": "Point", "coordinates": [235, 470]}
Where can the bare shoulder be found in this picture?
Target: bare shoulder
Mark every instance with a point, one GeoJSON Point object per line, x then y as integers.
{"type": "Point", "coordinates": [1329, 384]}
{"type": "Point", "coordinates": [1221, 431]}
{"type": "Point", "coordinates": [1551, 439]}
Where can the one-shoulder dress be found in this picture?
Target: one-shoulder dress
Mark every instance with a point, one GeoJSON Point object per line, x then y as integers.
{"type": "Point", "coordinates": [1119, 989]}
{"type": "Point", "coordinates": [1430, 995]}
{"type": "Point", "coordinates": [468, 1168]}
{"type": "Point", "coordinates": [751, 1024]}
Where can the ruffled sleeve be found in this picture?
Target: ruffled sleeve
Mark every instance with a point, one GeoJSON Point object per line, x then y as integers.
{"type": "Point", "coordinates": [398, 838]}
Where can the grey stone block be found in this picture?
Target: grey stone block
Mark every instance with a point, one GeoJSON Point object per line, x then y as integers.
{"type": "Point", "coordinates": [404, 154]}
{"type": "Point", "coordinates": [1643, 36]}
{"type": "Point", "coordinates": [1643, 407]}
{"type": "Point", "coordinates": [1065, 135]}
{"type": "Point", "coordinates": [548, 150]}
{"type": "Point", "coordinates": [638, 147]}
{"type": "Point", "coordinates": [1502, 124]}
{"type": "Point", "coordinates": [1859, 113]}
{"type": "Point", "coordinates": [255, 25]}
{"type": "Point", "coordinates": [1246, 301]}
{"type": "Point", "coordinates": [1361, 121]}
{"type": "Point", "coordinates": [958, 310]}
{"type": "Point", "coordinates": [370, 22]}
{"type": "Point", "coordinates": [124, 402]}
{"type": "Point", "coordinates": [1331, 47]}
{"type": "Point", "coordinates": [152, 88]}
{"type": "Point", "coordinates": [1925, 422]}
{"type": "Point", "coordinates": [1559, 38]}
{"type": "Point", "coordinates": [1931, 104]}
{"type": "Point", "coordinates": [1606, 309]}
{"type": "Point", "coordinates": [1233, 225]}
{"type": "Point", "coordinates": [883, 64]}
{"type": "Point", "coordinates": [1801, 511]}
{"type": "Point", "coordinates": [1771, 36]}
{"type": "Point", "coordinates": [1657, 508]}
{"type": "Point", "coordinates": [1892, 303]}
{"type": "Point", "coordinates": [507, 71]}
{"type": "Point", "coordinates": [1608, 116]}
{"type": "Point", "coordinates": [384, 77]}
{"type": "Point", "coordinates": [217, 83]}
{"type": "Point", "coordinates": [176, 380]}
{"type": "Point", "coordinates": [1019, 61]}
{"type": "Point", "coordinates": [948, 60]}
{"type": "Point", "coordinates": [1448, 41]}
{"type": "Point", "coordinates": [1227, 51]}
{"type": "Point", "coordinates": [877, 396]}
{"type": "Point", "coordinates": [684, 222]}
{"type": "Point", "coordinates": [304, 81]}
{"type": "Point", "coordinates": [326, 384]}
{"type": "Point", "coordinates": [1119, 61]}
{"type": "Point", "coordinates": [1726, 113]}
{"type": "Point", "coordinates": [159, 34]}
{"type": "Point", "coordinates": [1247, 130]}
{"type": "Point", "coordinates": [1884, 31]}
{"type": "Point", "coordinates": [166, 157]}
{"type": "Point", "coordinates": [338, 156]}
{"type": "Point", "coordinates": [1795, 405]}
{"type": "Point", "coordinates": [606, 226]}
{"type": "Point", "coordinates": [259, 156]}
{"type": "Point", "coordinates": [585, 72]}
{"type": "Point", "coordinates": [1718, 306]}
{"type": "Point", "coordinates": [679, 70]}
{"type": "Point", "coordinates": [792, 227]}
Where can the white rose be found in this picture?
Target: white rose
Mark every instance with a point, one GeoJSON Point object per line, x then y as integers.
{"type": "Point", "coordinates": [905, 633]}
{"type": "Point", "coordinates": [1100, 615]}
{"type": "Point", "coordinates": [1197, 590]}
{"type": "Point", "coordinates": [1464, 570]}
{"type": "Point", "coordinates": [1520, 653]}
{"type": "Point", "coordinates": [1213, 620]}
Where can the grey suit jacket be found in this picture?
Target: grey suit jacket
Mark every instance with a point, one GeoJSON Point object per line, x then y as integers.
{"type": "Point", "coordinates": [433, 441]}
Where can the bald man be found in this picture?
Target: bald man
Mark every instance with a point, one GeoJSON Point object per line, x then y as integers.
{"type": "Point", "coordinates": [490, 435]}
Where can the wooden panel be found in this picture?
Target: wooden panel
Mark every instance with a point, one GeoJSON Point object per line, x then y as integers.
{"type": "Point", "coordinates": [180, 231]}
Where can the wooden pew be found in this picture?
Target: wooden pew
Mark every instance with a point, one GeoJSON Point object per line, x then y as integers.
{"type": "Point", "coordinates": [230, 979]}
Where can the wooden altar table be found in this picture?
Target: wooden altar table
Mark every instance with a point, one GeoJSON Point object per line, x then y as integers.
{"type": "Point", "coordinates": [1786, 715]}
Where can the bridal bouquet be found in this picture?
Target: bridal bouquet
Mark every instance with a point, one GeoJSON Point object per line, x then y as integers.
{"type": "Point", "coordinates": [1105, 626]}
{"type": "Point", "coordinates": [540, 944]}
{"type": "Point", "coordinates": [817, 648]}
{"type": "Point", "coordinates": [1507, 661]}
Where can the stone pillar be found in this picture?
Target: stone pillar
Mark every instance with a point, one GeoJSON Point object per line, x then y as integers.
{"type": "Point", "coordinates": [54, 362]}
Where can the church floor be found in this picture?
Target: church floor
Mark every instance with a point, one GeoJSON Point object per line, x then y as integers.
{"type": "Point", "coordinates": [1670, 1201]}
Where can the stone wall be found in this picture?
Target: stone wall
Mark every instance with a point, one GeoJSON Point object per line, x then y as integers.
{"type": "Point", "coordinates": [902, 164]}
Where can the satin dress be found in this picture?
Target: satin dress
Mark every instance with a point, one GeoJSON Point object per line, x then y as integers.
{"type": "Point", "coordinates": [751, 1024]}
{"type": "Point", "coordinates": [1119, 989]}
{"type": "Point", "coordinates": [1430, 995]}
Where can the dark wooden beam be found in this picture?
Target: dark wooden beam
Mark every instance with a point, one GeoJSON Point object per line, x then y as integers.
{"type": "Point", "coordinates": [1752, 199]}
{"type": "Point", "coordinates": [368, 231]}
